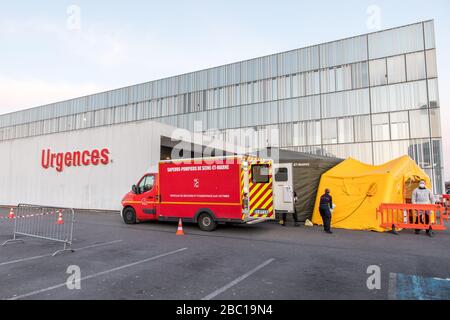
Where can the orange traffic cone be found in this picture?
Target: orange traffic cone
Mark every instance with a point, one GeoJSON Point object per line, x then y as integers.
{"type": "Point", "coordinates": [180, 231]}
{"type": "Point", "coordinates": [60, 219]}
{"type": "Point", "coordinates": [11, 214]}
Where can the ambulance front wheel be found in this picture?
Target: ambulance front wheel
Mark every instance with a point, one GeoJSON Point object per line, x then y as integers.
{"type": "Point", "coordinates": [206, 222]}
{"type": "Point", "coordinates": [129, 215]}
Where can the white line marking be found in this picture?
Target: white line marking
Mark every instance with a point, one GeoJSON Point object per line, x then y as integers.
{"type": "Point", "coordinates": [236, 281]}
{"type": "Point", "coordinates": [98, 274]}
{"type": "Point", "coordinates": [49, 255]}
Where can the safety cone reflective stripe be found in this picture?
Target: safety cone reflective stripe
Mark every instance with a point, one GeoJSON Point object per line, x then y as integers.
{"type": "Point", "coordinates": [180, 231]}
{"type": "Point", "coordinates": [11, 214]}
{"type": "Point", "coordinates": [60, 219]}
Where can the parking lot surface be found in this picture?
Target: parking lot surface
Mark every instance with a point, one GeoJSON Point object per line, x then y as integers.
{"type": "Point", "coordinates": [263, 261]}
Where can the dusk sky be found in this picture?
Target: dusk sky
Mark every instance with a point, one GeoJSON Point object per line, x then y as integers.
{"type": "Point", "coordinates": [47, 55]}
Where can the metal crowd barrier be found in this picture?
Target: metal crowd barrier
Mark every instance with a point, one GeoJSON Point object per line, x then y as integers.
{"type": "Point", "coordinates": [43, 222]}
{"type": "Point", "coordinates": [412, 216]}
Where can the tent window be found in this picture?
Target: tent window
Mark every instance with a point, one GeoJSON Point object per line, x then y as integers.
{"type": "Point", "coordinates": [281, 175]}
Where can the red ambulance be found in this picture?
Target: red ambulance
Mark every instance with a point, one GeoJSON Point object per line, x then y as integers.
{"type": "Point", "coordinates": [208, 192]}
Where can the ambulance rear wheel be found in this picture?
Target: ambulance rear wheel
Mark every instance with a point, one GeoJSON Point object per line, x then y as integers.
{"type": "Point", "coordinates": [206, 222]}
{"type": "Point", "coordinates": [129, 216]}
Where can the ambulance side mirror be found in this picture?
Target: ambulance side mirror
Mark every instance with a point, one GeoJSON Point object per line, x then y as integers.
{"type": "Point", "coordinates": [134, 189]}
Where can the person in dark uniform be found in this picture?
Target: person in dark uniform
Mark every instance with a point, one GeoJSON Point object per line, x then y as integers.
{"type": "Point", "coordinates": [326, 204]}
{"type": "Point", "coordinates": [295, 215]}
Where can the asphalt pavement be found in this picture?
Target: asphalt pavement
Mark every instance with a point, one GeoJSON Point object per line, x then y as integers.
{"type": "Point", "coordinates": [262, 261]}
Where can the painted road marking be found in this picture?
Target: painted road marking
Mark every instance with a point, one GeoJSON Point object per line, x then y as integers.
{"type": "Point", "coordinates": [236, 281]}
{"type": "Point", "coordinates": [95, 275]}
{"type": "Point", "coordinates": [50, 254]}
{"type": "Point", "coordinates": [412, 287]}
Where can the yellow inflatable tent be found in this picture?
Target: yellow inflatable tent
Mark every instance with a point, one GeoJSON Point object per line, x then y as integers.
{"type": "Point", "coordinates": [358, 189]}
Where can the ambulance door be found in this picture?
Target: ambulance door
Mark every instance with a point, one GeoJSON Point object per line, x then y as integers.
{"type": "Point", "coordinates": [260, 190]}
{"type": "Point", "coordinates": [283, 188]}
{"type": "Point", "coordinates": [147, 198]}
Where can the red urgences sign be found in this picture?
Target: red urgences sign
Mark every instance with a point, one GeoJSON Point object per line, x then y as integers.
{"type": "Point", "coordinates": [74, 159]}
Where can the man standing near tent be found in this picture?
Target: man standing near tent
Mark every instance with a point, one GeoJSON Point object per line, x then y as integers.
{"type": "Point", "coordinates": [422, 195]}
{"type": "Point", "coordinates": [326, 204]}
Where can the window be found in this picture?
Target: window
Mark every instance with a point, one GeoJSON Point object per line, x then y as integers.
{"type": "Point", "coordinates": [399, 125]}
{"type": "Point", "coordinates": [344, 78]}
{"type": "Point", "coordinates": [396, 69]}
{"type": "Point", "coordinates": [146, 184]}
{"type": "Point", "coordinates": [346, 103]}
{"type": "Point", "coordinates": [362, 129]}
{"type": "Point", "coordinates": [399, 97]}
{"type": "Point", "coordinates": [378, 74]}
{"type": "Point", "coordinates": [433, 91]}
{"type": "Point", "coordinates": [419, 125]}
{"type": "Point", "coordinates": [415, 66]}
{"type": "Point", "coordinates": [360, 75]}
{"type": "Point", "coordinates": [380, 124]}
{"type": "Point", "coordinates": [330, 135]}
{"type": "Point", "coordinates": [429, 35]}
{"type": "Point", "coordinates": [312, 82]}
{"type": "Point", "coordinates": [260, 173]}
{"type": "Point", "coordinates": [345, 130]}
{"type": "Point", "coordinates": [396, 41]}
{"type": "Point", "coordinates": [313, 133]}
{"type": "Point", "coordinates": [386, 151]}
{"type": "Point", "coordinates": [435, 119]}
{"type": "Point", "coordinates": [281, 175]}
{"type": "Point", "coordinates": [343, 51]}
{"type": "Point", "coordinates": [328, 80]}
{"type": "Point", "coordinates": [299, 109]}
{"type": "Point", "coordinates": [431, 64]}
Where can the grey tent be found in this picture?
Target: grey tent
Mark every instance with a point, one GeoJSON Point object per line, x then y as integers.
{"type": "Point", "coordinates": [307, 170]}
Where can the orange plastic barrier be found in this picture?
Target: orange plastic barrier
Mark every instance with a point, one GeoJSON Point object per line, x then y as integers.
{"type": "Point", "coordinates": [412, 216]}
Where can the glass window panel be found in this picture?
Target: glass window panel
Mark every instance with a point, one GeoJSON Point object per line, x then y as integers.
{"type": "Point", "coordinates": [300, 109]}
{"type": "Point", "coordinates": [346, 103]}
{"type": "Point", "coordinates": [259, 114]}
{"type": "Point", "coordinates": [313, 133]}
{"type": "Point", "coordinates": [312, 82]}
{"type": "Point", "coordinates": [343, 51]}
{"type": "Point", "coordinates": [386, 151]}
{"type": "Point", "coordinates": [435, 119]}
{"type": "Point", "coordinates": [438, 181]}
{"type": "Point", "coordinates": [380, 127]}
{"type": "Point", "coordinates": [378, 75]}
{"type": "Point", "coordinates": [328, 80]}
{"type": "Point", "coordinates": [430, 42]}
{"type": "Point", "coordinates": [399, 125]}
{"type": "Point", "coordinates": [363, 132]}
{"type": "Point", "coordinates": [344, 78]}
{"type": "Point", "coordinates": [399, 97]}
{"type": "Point", "coordinates": [396, 69]}
{"type": "Point", "coordinates": [419, 125]}
{"type": "Point", "coordinates": [361, 151]}
{"type": "Point", "coordinates": [419, 150]}
{"type": "Point", "coordinates": [396, 41]}
{"type": "Point", "coordinates": [438, 158]}
{"type": "Point", "coordinates": [360, 75]}
{"type": "Point", "coordinates": [415, 66]}
{"type": "Point", "coordinates": [345, 130]}
{"type": "Point", "coordinates": [431, 64]}
{"type": "Point", "coordinates": [293, 134]}
{"type": "Point", "coordinates": [298, 60]}
{"type": "Point", "coordinates": [329, 134]}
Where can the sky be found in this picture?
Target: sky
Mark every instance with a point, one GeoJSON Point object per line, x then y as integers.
{"type": "Point", "coordinates": [57, 50]}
